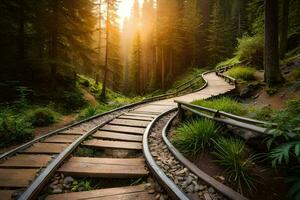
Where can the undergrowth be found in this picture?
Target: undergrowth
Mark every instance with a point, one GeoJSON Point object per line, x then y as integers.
{"type": "Point", "coordinates": [225, 104]}
{"type": "Point", "coordinates": [242, 73]}
{"type": "Point", "coordinates": [238, 166]}
{"type": "Point", "coordinates": [195, 136]}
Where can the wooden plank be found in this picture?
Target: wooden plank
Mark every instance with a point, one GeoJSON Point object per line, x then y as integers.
{"type": "Point", "coordinates": [30, 161]}
{"type": "Point", "coordinates": [113, 144]}
{"type": "Point", "coordinates": [61, 139]}
{"type": "Point", "coordinates": [154, 114]}
{"type": "Point", "coordinates": [46, 148]}
{"type": "Point", "coordinates": [154, 109]}
{"type": "Point", "coordinates": [140, 114]}
{"type": "Point", "coordinates": [101, 168]}
{"type": "Point", "coordinates": [74, 132]}
{"type": "Point", "coordinates": [125, 122]}
{"type": "Point", "coordinates": [118, 136]}
{"type": "Point", "coordinates": [119, 193]}
{"type": "Point", "coordinates": [110, 161]}
{"type": "Point", "coordinates": [16, 177]}
{"type": "Point", "coordinates": [123, 129]}
{"type": "Point", "coordinates": [6, 194]}
{"type": "Point", "coordinates": [135, 118]}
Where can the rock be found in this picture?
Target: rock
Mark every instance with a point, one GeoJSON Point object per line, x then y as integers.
{"type": "Point", "coordinates": [207, 196]}
{"type": "Point", "coordinates": [157, 196]}
{"type": "Point", "coordinates": [81, 189]}
{"type": "Point", "coordinates": [151, 191]}
{"type": "Point", "coordinates": [202, 187]}
{"type": "Point", "coordinates": [57, 191]}
{"type": "Point", "coordinates": [148, 186]}
{"type": "Point", "coordinates": [197, 188]}
{"type": "Point", "coordinates": [184, 184]}
{"type": "Point", "coordinates": [190, 188]}
{"type": "Point", "coordinates": [189, 180]}
{"type": "Point", "coordinates": [161, 197]}
{"type": "Point", "coordinates": [68, 180]}
{"type": "Point", "coordinates": [211, 190]}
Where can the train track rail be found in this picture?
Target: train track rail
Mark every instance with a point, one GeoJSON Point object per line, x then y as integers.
{"type": "Point", "coordinates": [121, 138]}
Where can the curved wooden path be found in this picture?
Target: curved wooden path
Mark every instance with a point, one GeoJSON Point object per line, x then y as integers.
{"type": "Point", "coordinates": [123, 133]}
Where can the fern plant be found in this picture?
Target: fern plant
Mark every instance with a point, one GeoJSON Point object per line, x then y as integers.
{"type": "Point", "coordinates": [282, 154]}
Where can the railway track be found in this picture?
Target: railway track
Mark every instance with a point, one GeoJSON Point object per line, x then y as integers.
{"type": "Point", "coordinates": [120, 138]}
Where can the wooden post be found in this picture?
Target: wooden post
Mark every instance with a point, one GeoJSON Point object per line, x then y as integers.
{"type": "Point", "coordinates": [180, 112]}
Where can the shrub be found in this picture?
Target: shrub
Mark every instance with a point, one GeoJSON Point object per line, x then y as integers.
{"type": "Point", "coordinates": [194, 136]}
{"type": "Point", "coordinates": [42, 117]}
{"type": "Point", "coordinates": [251, 49]}
{"type": "Point", "coordinates": [73, 100]}
{"type": "Point", "coordinates": [14, 130]}
{"type": "Point", "coordinates": [242, 73]}
{"type": "Point", "coordinates": [225, 104]}
{"type": "Point", "coordinates": [230, 154]}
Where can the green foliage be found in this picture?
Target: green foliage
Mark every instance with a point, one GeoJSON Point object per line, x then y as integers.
{"type": "Point", "coordinates": [42, 116]}
{"type": "Point", "coordinates": [14, 129]}
{"type": "Point", "coordinates": [282, 154]}
{"type": "Point", "coordinates": [84, 152]}
{"type": "Point", "coordinates": [225, 104]}
{"type": "Point", "coordinates": [81, 185]}
{"type": "Point", "coordinates": [94, 110]}
{"type": "Point", "coordinates": [195, 136]}
{"type": "Point", "coordinates": [251, 48]}
{"type": "Point", "coordinates": [231, 61]}
{"type": "Point", "coordinates": [294, 191]}
{"type": "Point", "coordinates": [288, 121]}
{"type": "Point", "coordinates": [260, 113]}
{"type": "Point", "coordinates": [73, 101]}
{"type": "Point", "coordinates": [296, 73]}
{"type": "Point", "coordinates": [231, 154]}
{"type": "Point", "coordinates": [242, 73]}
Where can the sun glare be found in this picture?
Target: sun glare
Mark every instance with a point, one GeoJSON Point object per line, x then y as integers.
{"type": "Point", "coordinates": [125, 9]}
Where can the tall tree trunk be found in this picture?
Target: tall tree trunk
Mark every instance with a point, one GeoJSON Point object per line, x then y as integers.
{"type": "Point", "coordinates": [271, 54]}
{"type": "Point", "coordinates": [21, 40]}
{"type": "Point", "coordinates": [284, 26]}
{"type": "Point", "coordinates": [103, 92]}
{"type": "Point", "coordinates": [54, 44]}
{"type": "Point", "coordinates": [99, 45]}
{"type": "Point", "coordinates": [162, 68]}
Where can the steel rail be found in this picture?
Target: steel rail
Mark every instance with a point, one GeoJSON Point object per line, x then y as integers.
{"type": "Point", "coordinates": [28, 144]}
{"type": "Point", "coordinates": [37, 185]}
{"type": "Point", "coordinates": [173, 190]}
{"type": "Point", "coordinates": [225, 190]}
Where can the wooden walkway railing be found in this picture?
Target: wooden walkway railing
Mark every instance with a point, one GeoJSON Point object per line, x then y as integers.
{"type": "Point", "coordinates": [257, 126]}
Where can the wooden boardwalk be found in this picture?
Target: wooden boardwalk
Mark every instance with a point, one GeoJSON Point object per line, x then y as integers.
{"type": "Point", "coordinates": [122, 133]}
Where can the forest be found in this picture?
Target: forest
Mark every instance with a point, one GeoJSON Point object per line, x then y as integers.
{"type": "Point", "coordinates": [71, 61]}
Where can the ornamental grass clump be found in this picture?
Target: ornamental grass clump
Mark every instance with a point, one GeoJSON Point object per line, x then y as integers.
{"type": "Point", "coordinates": [225, 104]}
{"type": "Point", "coordinates": [238, 165]}
{"type": "Point", "coordinates": [195, 136]}
{"type": "Point", "coordinates": [242, 73]}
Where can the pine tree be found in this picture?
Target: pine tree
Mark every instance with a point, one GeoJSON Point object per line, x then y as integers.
{"type": "Point", "coordinates": [216, 42]}
{"type": "Point", "coordinates": [192, 26]}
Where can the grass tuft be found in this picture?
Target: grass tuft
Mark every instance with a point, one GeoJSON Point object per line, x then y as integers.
{"type": "Point", "coordinates": [242, 73]}
{"type": "Point", "coordinates": [230, 154]}
{"type": "Point", "coordinates": [225, 104]}
{"type": "Point", "coordinates": [195, 136]}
